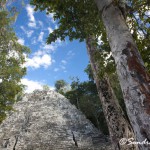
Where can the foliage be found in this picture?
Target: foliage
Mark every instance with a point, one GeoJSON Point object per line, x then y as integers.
{"type": "Point", "coordinates": [59, 85]}
{"type": "Point", "coordinates": [89, 72]}
{"type": "Point", "coordinates": [114, 84]}
{"type": "Point", "coordinates": [138, 21]}
{"type": "Point", "coordinates": [85, 97]}
{"type": "Point", "coordinates": [11, 61]}
{"type": "Point", "coordinates": [46, 87]}
{"type": "Point", "coordinates": [73, 18]}
{"type": "Point", "coordinates": [79, 19]}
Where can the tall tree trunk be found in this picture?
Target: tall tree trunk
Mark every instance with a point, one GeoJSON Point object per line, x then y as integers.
{"type": "Point", "coordinates": [133, 77]}
{"type": "Point", "coordinates": [118, 125]}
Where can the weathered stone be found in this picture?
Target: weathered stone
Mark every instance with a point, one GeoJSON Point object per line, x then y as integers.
{"type": "Point", "coordinates": [45, 120]}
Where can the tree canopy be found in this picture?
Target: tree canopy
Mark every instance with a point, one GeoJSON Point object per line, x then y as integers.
{"type": "Point", "coordinates": [79, 19]}
{"type": "Point", "coordinates": [12, 59]}
{"type": "Point", "coordinates": [59, 85]}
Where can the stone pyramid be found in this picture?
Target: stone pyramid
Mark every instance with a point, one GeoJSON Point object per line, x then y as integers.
{"type": "Point", "coordinates": [45, 120]}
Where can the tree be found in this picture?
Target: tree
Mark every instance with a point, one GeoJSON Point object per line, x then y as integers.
{"type": "Point", "coordinates": [59, 85]}
{"type": "Point", "coordinates": [118, 124]}
{"type": "Point", "coordinates": [84, 21]}
{"type": "Point", "coordinates": [11, 60]}
{"type": "Point", "coordinates": [46, 87]}
{"type": "Point", "coordinates": [133, 76]}
{"type": "Point", "coordinates": [85, 97]}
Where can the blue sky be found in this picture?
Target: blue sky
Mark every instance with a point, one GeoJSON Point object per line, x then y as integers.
{"type": "Point", "coordinates": [48, 63]}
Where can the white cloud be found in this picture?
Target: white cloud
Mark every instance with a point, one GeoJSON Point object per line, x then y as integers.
{"type": "Point", "coordinates": [21, 41]}
{"type": "Point", "coordinates": [58, 41]}
{"type": "Point", "coordinates": [39, 53]}
{"type": "Point", "coordinates": [32, 24]}
{"type": "Point", "coordinates": [53, 61]}
{"type": "Point", "coordinates": [28, 33]}
{"type": "Point", "coordinates": [40, 38]}
{"type": "Point", "coordinates": [63, 67]}
{"type": "Point", "coordinates": [50, 30]}
{"type": "Point", "coordinates": [49, 47]}
{"type": "Point", "coordinates": [31, 85]}
{"type": "Point", "coordinates": [22, 27]}
{"type": "Point", "coordinates": [30, 13]}
{"type": "Point", "coordinates": [56, 26]}
{"type": "Point", "coordinates": [147, 13]}
{"type": "Point", "coordinates": [39, 61]}
{"type": "Point", "coordinates": [51, 17]}
{"type": "Point", "coordinates": [70, 54]}
{"type": "Point", "coordinates": [33, 41]}
{"type": "Point", "coordinates": [56, 69]}
{"type": "Point", "coordinates": [40, 23]}
{"type": "Point", "coordinates": [64, 62]}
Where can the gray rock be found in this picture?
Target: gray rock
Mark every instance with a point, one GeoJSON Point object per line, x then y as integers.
{"type": "Point", "coordinates": [45, 120]}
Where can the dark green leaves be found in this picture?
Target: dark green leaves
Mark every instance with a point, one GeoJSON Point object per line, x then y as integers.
{"type": "Point", "coordinates": [11, 60]}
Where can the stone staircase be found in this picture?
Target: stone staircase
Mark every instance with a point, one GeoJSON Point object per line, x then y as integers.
{"type": "Point", "coordinates": [45, 120]}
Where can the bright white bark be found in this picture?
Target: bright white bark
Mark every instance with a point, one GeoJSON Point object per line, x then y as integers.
{"type": "Point", "coordinates": [133, 77]}
{"type": "Point", "coordinates": [118, 125]}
